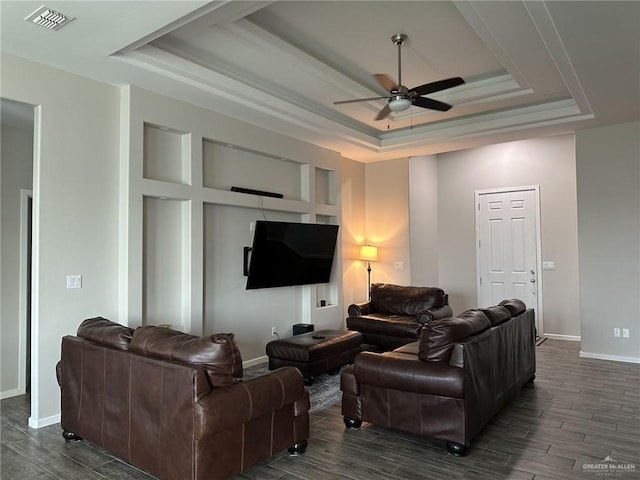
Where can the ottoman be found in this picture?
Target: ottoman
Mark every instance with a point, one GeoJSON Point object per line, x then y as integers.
{"type": "Point", "coordinates": [315, 352]}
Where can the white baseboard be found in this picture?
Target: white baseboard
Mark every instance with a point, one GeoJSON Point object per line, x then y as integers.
{"type": "Point", "coordinates": [613, 358]}
{"type": "Point", "coordinates": [255, 361]}
{"type": "Point", "coordinates": [14, 392]}
{"type": "Point", "coordinates": [44, 422]}
{"type": "Point", "coordinates": [568, 338]}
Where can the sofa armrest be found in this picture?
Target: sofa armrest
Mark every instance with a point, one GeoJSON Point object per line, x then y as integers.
{"type": "Point", "coordinates": [359, 309]}
{"type": "Point", "coordinates": [348, 382]}
{"type": "Point", "coordinates": [425, 316]}
{"type": "Point", "coordinates": [398, 372]}
{"type": "Point", "coordinates": [244, 401]}
{"type": "Point", "coordinates": [59, 372]}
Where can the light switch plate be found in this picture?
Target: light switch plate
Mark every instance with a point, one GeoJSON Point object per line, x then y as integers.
{"type": "Point", "coordinates": [74, 281]}
{"type": "Point", "coordinates": [548, 265]}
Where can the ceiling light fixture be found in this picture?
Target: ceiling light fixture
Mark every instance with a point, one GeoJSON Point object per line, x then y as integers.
{"type": "Point", "coordinates": [49, 18]}
{"type": "Point", "coordinates": [399, 103]}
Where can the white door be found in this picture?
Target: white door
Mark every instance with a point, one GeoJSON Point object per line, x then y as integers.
{"type": "Point", "coordinates": [507, 239]}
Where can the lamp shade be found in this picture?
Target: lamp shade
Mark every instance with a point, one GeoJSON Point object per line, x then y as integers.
{"type": "Point", "coordinates": [369, 253]}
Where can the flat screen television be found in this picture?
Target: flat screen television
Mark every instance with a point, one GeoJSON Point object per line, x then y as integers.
{"type": "Point", "coordinates": [286, 253]}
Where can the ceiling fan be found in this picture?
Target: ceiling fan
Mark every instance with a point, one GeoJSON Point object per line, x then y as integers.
{"type": "Point", "coordinates": [400, 98]}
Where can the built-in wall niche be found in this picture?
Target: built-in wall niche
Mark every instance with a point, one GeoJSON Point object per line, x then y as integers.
{"type": "Point", "coordinates": [327, 293]}
{"type": "Point", "coordinates": [326, 219]}
{"type": "Point", "coordinates": [166, 155]}
{"type": "Point", "coordinates": [325, 186]}
{"type": "Point", "coordinates": [228, 306]}
{"type": "Point", "coordinates": [163, 260]}
{"type": "Point", "coordinates": [225, 166]}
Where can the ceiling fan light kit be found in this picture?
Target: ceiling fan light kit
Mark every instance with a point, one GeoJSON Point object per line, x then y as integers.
{"type": "Point", "coordinates": [399, 104]}
{"type": "Point", "coordinates": [400, 98]}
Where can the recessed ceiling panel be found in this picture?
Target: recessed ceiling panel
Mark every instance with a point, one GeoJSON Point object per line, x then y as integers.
{"type": "Point", "coordinates": [354, 37]}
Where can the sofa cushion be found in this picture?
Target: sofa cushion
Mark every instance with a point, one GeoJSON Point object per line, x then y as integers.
{"type": "Point", "coordinates": [405, 300]}
{"type": "Point", "coordinates": [515, 306]}
{"type": "Point", "coordinates": [218, 354]}
{"type": "Point", "coordinates": [108, 333]}
{"type": "Point", "coordinates": [438, 337]}
{"type": "Point", "coordinates": [496, 314]}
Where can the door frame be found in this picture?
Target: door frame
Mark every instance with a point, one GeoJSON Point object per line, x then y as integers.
{"type": "Point", "coordinates": [25, 196]}
{"type": "Point", "coordinates": [538, 242]}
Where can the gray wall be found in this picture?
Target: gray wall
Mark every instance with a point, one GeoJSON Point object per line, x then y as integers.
{"type": "Point", "coordinates": [354, 277]}
{"type": "Point", "coordinates": [387, 218]}
{"type": "Point", "coordinates": [75, 210]}
{"type": "Point", "coordinates": [547, 162]}
{"type": "Point", "coordinates": [608, 172]}
{"type": "Point", "coordinates": [16, 174]}
{"type": "Point", "coordinates": [423, 220]}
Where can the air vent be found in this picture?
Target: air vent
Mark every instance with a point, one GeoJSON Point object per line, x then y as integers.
{"type": "Point", "coordinates": [49, 18]}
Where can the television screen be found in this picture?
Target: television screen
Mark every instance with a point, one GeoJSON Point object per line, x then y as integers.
{"type": "Point", "coordinates": [285, 254]}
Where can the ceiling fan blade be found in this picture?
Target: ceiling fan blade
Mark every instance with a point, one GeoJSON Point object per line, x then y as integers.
{"type": "Point", "coordinates": [437, 86]}
{"type": "Point", "coordinates": [431, 104]}
{"type": "Point", "coordinates": [386, 81]}
{"type": "Point", "coordinates": [358, 100]}
{"type": "Point", "coordinates": [383, 113]}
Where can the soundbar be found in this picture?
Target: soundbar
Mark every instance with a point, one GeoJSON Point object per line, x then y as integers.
{"type": "Point", "coordinates": [251, 191]}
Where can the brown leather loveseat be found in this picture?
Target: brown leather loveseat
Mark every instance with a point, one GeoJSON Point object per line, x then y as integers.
{"type": "Point", "coordinates": [395, 314]}
{"type": "Point", "coordinates": [174, 404]}
{"type": "Point", "coordinates": [451, 382]}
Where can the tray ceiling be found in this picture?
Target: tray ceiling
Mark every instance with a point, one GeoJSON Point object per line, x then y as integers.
{"type": "Point", "coordinates": [531, 68]}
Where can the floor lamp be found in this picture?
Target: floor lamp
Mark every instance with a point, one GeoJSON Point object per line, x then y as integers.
{"type": "Point", "coordinates": [370, 254]}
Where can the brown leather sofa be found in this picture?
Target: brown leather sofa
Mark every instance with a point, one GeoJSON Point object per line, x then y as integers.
{"type": "Point", "coordinates": [395, 314]}
{"type": "Point", "coordinates": [174, 404]}
{"type": "Point", "coordinates": [451, 382]}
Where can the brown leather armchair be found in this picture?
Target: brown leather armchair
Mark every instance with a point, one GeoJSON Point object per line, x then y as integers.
{"type": "Point", "coordinates": [395, 314]}
{"type": "Point", "coordinates": [174, 404]}
{"type": "Point", "coordinates": [451, 382]}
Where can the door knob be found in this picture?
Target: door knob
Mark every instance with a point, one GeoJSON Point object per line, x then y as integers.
{"type": "Point", "coordinates": [533, 280]}
{"type": "Point", "coordinates": [533, 272]}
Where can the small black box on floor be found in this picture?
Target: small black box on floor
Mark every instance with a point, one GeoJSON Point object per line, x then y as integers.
{"type": "Point", "coordinates": [299, 328]}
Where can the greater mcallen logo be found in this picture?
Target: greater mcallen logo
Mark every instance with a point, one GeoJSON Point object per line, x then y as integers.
{"type": "Point", "coordinates": [608, 466]}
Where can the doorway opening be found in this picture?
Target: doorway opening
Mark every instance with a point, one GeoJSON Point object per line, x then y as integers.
{"type": "Point", "coordinates": [18, 159]}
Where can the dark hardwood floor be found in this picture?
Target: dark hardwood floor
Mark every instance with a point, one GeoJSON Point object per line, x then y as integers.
{"type": "Point", "coordinates": [579, 412]}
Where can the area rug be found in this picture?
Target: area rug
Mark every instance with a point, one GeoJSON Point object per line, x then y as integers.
{"type": "Point", "coordinates": [324, 392]}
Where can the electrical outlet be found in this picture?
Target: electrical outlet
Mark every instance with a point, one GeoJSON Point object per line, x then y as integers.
{"type": "Point", "coordinates": [625, 333]}
{"type": "Point", "coordinates": [399, 265]}
{"type": "Point", "coordinates": [275, 332]}
{"type": "Point", "coordinates": [616, 332]}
